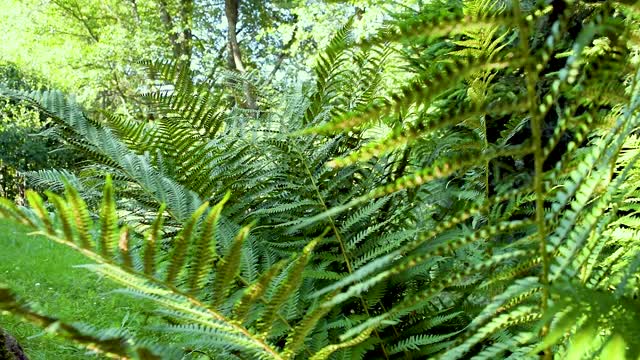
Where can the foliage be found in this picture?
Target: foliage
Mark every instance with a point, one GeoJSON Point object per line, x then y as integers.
{"type": "Point", "coordinates": [92, 48]}
{"type": "Point", "coordinates": [24, 144]}
{"type": "Point", "coordinates": [486, 209]}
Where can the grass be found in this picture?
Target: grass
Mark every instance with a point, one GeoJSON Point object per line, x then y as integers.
{"type": "Point", "coordinates": [42, 272]}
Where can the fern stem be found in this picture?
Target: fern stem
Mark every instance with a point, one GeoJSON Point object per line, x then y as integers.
{"type": "Point", "coordinates": [536, 130]}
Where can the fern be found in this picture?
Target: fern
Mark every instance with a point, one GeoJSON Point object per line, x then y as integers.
{"type": "Point", "coordinates": [488, 208]}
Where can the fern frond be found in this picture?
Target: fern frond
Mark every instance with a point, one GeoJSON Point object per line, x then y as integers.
{"type": "Point", "coordinates": [38, 207]}
{"type": "Point", "coordinates": [153, 237]}
{"type": "Point", "coordinates": [419, 91]}
{"type": "Point", "coordinates": [204, 249]}
{"type": "Point", "coordinates": [417, 300]}
{"type": "Point", "coordinates": [284, 289]}
{"type": "Point", "coordinates": [109, 229]}
{"type": "Point", "coordinates": [228, 268]}
{"type": "Point", "coordinates": [112, 345]}
{"type": "Point", "coordinates": [256, 291]}
{"type": "Point", "coordinates": [181, 244]}
{"type": "Point", "coordinates": [327, 351]}
{"type": "Point", "coordinates": [415, 342]}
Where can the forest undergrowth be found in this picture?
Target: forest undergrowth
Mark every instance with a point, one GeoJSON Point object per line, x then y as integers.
{"type": "Point", "coordinates": [483, 204]}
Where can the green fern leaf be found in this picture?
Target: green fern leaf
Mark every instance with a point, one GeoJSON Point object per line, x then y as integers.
{"type": "Point", "coordinates": [64, 214]}
{"type": "Point", "coordinates": [327, 351]}
{"type": "Point", "coordinates": [38, 206]}
{"type": "Point", "coordinates": [109, 232]}
{"type": "Point", "coordinates": [228, 268]}
{"type": "Point", "coordinates": [204, 249]}
{"type": "Point", "coordinates": [81, 217]}
{"type": "Point", "coordinates": [284, 289]}
{"type": "Point", "coordinates": [255, 291]}
{"type": "Point", "coordinates": [152, 239]}
{"type": "Point", "coordinates": [181, 244]}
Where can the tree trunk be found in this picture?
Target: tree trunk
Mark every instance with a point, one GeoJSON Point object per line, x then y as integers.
{"type": "Point", "coordinates": [234, 59]}
{"type": "Point", "coordinates": [9, 348]}
{"type": "Point", "coordinates": [186, 13]}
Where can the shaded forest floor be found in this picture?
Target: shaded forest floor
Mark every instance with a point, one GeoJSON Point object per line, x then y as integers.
{"type": "Point", "coordinates": [43, 271]}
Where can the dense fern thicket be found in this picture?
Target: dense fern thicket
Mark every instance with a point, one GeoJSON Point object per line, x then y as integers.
{"type": "Point", "coordinates": [487, 208]}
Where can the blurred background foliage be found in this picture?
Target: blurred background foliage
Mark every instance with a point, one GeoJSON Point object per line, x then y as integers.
{"type": "Point", "coordinates": [94, 49]}
{"type": "Point", "coordinates": [24, 144]}
{"type": "Point", "coordinates": [91, 48]}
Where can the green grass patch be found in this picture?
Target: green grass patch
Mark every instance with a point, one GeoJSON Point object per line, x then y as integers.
{"type": "Point", "coordinates": [41, 272]}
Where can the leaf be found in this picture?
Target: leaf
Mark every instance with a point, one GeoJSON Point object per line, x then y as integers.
{"type": "Point", "coordinates": [614, 349]}
{"type": "Point", "coordinates": [81, 216]}
{"type": "Point", "coordinates": [228, 268]}
{"type": "Point", "coordinates": [181, 244]}
{"type": "Point", "coordinates": [325, 352]}
{"type": "Point", "coordinates": [109, 233]}
{"type": "Point", "coordinates": [204, 248]}
{"type": "Point", "coordinates": [152, 239]}
{"type": "Point", "coordinates": [284, 290]}
{"type": "Point", "coordinates": [38, 206]}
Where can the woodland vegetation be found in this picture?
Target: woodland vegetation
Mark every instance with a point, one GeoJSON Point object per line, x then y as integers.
{"type": "Point", "coordinates": [307, 179]}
